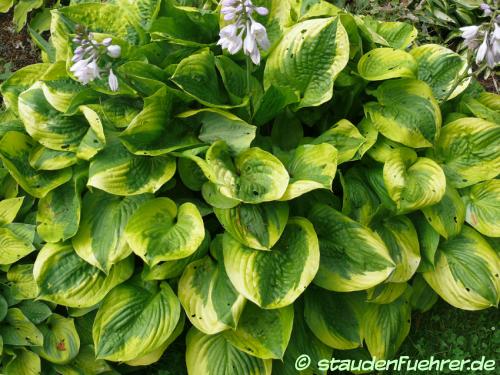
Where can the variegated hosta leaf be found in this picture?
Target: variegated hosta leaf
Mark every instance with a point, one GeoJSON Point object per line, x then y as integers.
{"type": "Point", "coordinates": [385, 326]}
{"type": "Point", "coordinates": [134, 320]}
{"type": "Point", "coordinates": [375, 178]}
{"type": "Point", "coordinates": [441, 68]}
{"type": "Point", "coordinates": [448, 215]}
{"type": "Point", "coordinates": [360, 202]}
{"type": "Point", "coordinates": [15, 151]}
{"type": "Point", "coordinates": [45, 159]}
{"type": "Point", "coordinates": [16, 241]}
{"type": "Point", "coordinates": [255, 226]}
{"type": "Point", "coordinates": [474, 106]}
{"type": "Point", "coordinates": [48, 126]}
{"type": "Point", "coordinates": [483, 208]}
{"type": "Point", "coordinates": [153, 131]}
{"type": "Point", "coordinates": [95, 139]}
{"type": "Point", "coordinates": [208, 297]}
{"type": "Point", "coordinates": [401, 238]}
{"type": "Point", "coordinates": [293, 64]}
{"type": "Point", "coordinates": [17, 330]}
{"type": "Point", "coordinates": [9, 209]}
{"type": "Point", "coordinates": [352, 256]}
{"type": "Point", "coordinates": [58, 215]}
{"type": "Point", "coordinates": [303, 341]}
{"type": "Point", "coordinates": [22, 283]}
{"type": "Point", "coordinates": [65, 278]}
{"type": "Point", "coordinates": [172, 269]}
{"type": "Point", "coordinates": [335, 318]}
{"type": "Point", "coordinates": [117, 171]}
{"type": "Point", "coordinates": [215, 355]}
{"type": "Point", "coordinates": [428, 240]}
{"type": "Point", "coordinates": [345, 137]}
{"type": "Point", "coordinates": [100, 238]}
{"type": "Point", "coordinates": [255, 176]}
{"type": "Point", "coordinates": [276, 278]}
{"type": "Point", "coordinates": [390, 34]}
{"type": "Point", "coordinates": [384, 148]}
{"type": "Point", "coordinates": [159, 231]}
{"type": "Point", "coordinates": [85, 362]}
{"type": "Point", "coordinates": [61, 342]}
{"type": "Point", "coordinates": [263, 333]}
{"type": "Point", "coordinates": [20, 81]}
{"type": "Point", "coordinates": [155, 355]}
{"type": "Point", "coordinates": [467, 272]}
{"type": "Point", "coordinates": [386, 292]}
{"type": "Point", "coordinates": [406, 112]}
{"type": "Point", "coordinates": [414, 184]}
{"type": "Point", "coordinates": [385, 63]}
{"type": "Point", "coordinates": [311, 167]}
{"type": "Point", "coordinates": [196, 75]}
{"type": "Point", "coordinates": [219, 125]}
{"type": "Point", "coordinates": [25, 362]}
{"type": "Point", "coordinates": [422, 295]}
{"type": "Point", "coordinates": [469, 151]}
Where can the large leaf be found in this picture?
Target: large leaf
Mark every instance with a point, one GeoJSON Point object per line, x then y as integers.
{"type": "Point", "coordinates": [335, 318]}
{"type": "Point", "coordinates": [469, 151]}
{"type": "Point", "coordinates": [25, 362]}
{"type": "Point", "coordinates": [406, 112]}
{"type": "Point", "coordinates": [159, 231]}
{"type": "Point", "coordinates": [276, 278]}
{"type": "Point", "coordinates": [61, 342]}
{"type": "Point", "coordinates": [385, 326]}
{"type": "Point", "coordinates": [208, 297]}
{"type": "Point", "coordinates": [58, 215]}
{"type": "Point", "coordinates": [345, 137]}
{"type": "Point", "coordinates": [385, 63]}
{"type": "Point", "coordinates": [255, 176]}
{"type": "Point", "coordinates": [352, 256]}
{"type": "Point", "coordinates": [466, 272]}
{"type": "Point", "coordinates": [311, 167]}
{"type": "Point", "coordinates": [134, 320]}
{"type": "Point", "coordinates": [15, 150]}
{"type": "Point", "coordinates": [9, 209]}
{"type": "Point", "coordinates": [483, 208]}
{"type": "Point", "coordinates": [117, 171]}
{"type": "Point", "coordinates": [154, 131]}
{"type": "Point", "coordinates": [413, 184]}
{"type": "Point", "coordinates": [197, 76]}
{"type": "Point", "coordinates": [448, 215]}
{"type": "Point", "coordinates": [401, 238]}
{"type": "Point", "coordinates": [215, 355]}
{"type": "Point", "coordinates": [15, 242]}
{"type": "Point", "coordinates": [65, 278]}
{"type": "Point", "coordinates": [17, 330]}
{"type": "Point", "coordinates": [276, 325]}
{"type": "Point", "coordinates": [100, 239]}
{"type": "Point", "coordinates": [442, 69]}
{"type": "Point", "coordinates": [256, 226]}
{"type": "Point", "coordinates": [295, 63]}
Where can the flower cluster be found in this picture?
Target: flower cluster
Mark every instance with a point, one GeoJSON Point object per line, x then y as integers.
{"type": "Point", "coordinates": [90, 59]}
{"type": "Point", "coordinates": [244, 32]}
{"type": "Point", "coordinates": [485, 43]}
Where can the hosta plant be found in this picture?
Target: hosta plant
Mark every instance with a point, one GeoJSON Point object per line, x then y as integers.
{"type": "Point", "coordinates": [244, 201]}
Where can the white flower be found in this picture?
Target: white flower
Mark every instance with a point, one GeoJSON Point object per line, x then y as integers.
{"type": "Point", "coordinates": [244, 32]}
{"type": "Point", "coordinates": [107, 42]}
{"type": "Point", "coordinates": [469, 32]}
{"type": "Point", "coordinates": [113, 81]}
{"type": "Point", "coordinates": [481, 51]}
{"type": "Point", "coordinates": [114, 51]}
{"type": "Point", "coordinates": [486, 9]}
{"type": "Point", "coordinates": [86, 70]}
{"type": "Point", "coordinates": [230, 40]}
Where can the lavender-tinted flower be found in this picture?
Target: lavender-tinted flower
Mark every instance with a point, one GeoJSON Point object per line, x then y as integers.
{"type": "Point", "coordinates": [244, 33]}
{"type": "Point", "coordinates": [481, 51]}
{"type": "Point", "coordinates": [486, 10]}
{"type": "Point", "coordinates": [469, 32]}
{"type": "Point", "coordinates": [89, 58]}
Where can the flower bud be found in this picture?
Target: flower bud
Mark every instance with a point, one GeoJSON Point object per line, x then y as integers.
{"type": "Point", "coordinates": [114, 51]}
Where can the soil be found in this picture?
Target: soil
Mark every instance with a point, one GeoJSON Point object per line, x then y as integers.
{"type": "Point", "coordinates": [15, 48]}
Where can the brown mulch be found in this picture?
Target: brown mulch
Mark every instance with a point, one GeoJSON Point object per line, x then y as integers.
{"type": "Point", "coordinates": [15, 48]}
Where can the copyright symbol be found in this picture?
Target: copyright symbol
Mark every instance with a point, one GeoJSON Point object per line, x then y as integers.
{"type": "Point", "coordinates": [303, 362]}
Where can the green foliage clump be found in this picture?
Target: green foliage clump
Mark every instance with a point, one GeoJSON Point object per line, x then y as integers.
{"type": "Point", "coordinates": [233, 216]}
